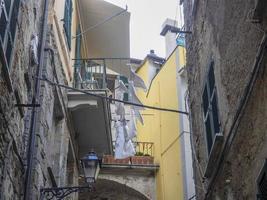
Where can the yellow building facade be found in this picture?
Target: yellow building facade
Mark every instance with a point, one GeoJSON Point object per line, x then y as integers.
{"type": "Point", "coordinates": [163, 128]}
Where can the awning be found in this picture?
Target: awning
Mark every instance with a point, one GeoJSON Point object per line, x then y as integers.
{"type": "Point", "coordinates": [109, 40]}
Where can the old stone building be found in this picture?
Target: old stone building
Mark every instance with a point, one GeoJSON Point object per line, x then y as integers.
{"type": "Point", "coordinates": [45, 129]}
{"type": "Point", "coordinates": [37, 144]}
{"type": "Point", "coordinates": [226, 58]}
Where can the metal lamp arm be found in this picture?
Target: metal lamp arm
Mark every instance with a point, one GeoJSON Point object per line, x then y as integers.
{"type": "Point", "coordinates": [61, 192]}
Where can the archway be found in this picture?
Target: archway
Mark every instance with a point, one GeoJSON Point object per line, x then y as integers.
{"type": "Point", "coordinates": [111, 190]}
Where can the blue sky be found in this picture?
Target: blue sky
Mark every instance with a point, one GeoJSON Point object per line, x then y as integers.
{"type": "Point", "coordinates": [147, 16]}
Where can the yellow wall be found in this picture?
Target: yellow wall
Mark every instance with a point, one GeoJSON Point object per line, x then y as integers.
{"type": "Point", "coordinates": [162, 128]}
{"type": "Point", "coordinates": [65, 53]}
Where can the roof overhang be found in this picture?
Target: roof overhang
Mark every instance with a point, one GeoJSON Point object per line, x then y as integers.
{"type": "Point", "coordinates": [107, 40]}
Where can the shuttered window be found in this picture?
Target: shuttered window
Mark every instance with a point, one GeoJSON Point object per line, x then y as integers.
{"type": "Point", "coordinates": [67, 21]}
{"type": "Point", "coordinates": [125, 81]}
{"type": "Point", "coordinates": [78, 63]}
{"type": "Point", "coordinates": [9, 10]}
{"type": "Point", "coordinates": [210, 108]}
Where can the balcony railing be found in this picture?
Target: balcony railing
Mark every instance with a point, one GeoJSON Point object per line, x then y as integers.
{"type": "Point", "coordinates": [142, 148]}
{"type": "Point", "coordinates": [100, 73]}
{"type": "Point", "coordinates": [143, 156]}
{"type": "Point", "coordinates": [90, 74]}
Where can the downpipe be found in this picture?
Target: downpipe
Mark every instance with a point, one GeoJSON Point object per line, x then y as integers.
{"type": "Point", "coordinates": [32, 135]}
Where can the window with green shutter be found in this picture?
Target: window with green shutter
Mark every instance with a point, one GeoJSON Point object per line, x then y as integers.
{"type": "Point", "coordinates": [77, 64]}
{"type": "Point", "coordinates": [78, 43]}
{"type": "Point", "coordinates": [67, 21]}
{"type": "Point", "coordinates": [125, 81]}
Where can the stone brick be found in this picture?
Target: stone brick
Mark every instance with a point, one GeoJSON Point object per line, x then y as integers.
{"type": "Point", "coordinates": [222, 31]}
{"type": "Point", "coordinates": [51, 145]}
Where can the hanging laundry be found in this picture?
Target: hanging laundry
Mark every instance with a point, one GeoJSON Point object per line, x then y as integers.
{"type": "Point", "coordinates": [125, 132]}
{"type": "Point", "coordinates": [120, 140]}
{"type": "Point", "coordinates": [133, 97]}
{"type": "Point", "coordinates": [123, 148]}
{"type": "Point", "coordinates": [137, 80]}
{"type": "Point", "coordinates": [138, 115]}
{"type": "Point", "coordinates": [132, 130]}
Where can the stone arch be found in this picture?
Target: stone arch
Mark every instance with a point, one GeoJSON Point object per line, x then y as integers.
{"type": "Point", "coordinates": [111, 190]}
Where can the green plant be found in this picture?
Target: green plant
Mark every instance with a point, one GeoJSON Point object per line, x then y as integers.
{"type": "Point", "coordinates": [139, 153]}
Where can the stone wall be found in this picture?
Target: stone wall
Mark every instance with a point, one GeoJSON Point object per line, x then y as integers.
{"type": "Point", "coordinates": [224, 32]}
{"type": "Point", "coordinates": [53, 132]}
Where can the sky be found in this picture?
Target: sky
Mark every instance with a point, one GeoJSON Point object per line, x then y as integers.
{"type": "Point", "coordinates": [147, 17]}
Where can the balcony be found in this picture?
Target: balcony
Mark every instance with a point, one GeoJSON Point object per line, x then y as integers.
{"type": "Point", "coordinates": [91, 115]}
{"type": "Point", "coordinates": [142, 162]}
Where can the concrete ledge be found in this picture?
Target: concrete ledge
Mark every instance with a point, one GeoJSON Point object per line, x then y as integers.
{"type": "Point", "coordinates": [120, 169]}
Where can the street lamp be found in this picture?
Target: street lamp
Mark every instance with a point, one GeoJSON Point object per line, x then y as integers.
{"type": "Point", "coordinates": [91, 167]}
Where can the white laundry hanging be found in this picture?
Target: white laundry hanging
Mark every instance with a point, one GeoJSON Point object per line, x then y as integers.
{"type": "Point", "coordinates": [137, 80]}
{"type": "Point", "coordinates": [132, 126]}
{"type": "Point", "coordinates": [123, 148]}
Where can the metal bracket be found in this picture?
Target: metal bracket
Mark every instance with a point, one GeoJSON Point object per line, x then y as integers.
{"type": "Point", "coordinates": [61, 192]}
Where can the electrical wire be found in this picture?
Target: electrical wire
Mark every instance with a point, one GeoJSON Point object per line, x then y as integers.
{"type": "Point", "coordinates": [191, 198]}
{"type": "Point", "coordinates": [102, 22]}
{"type": "Point", "coordinates": [111, 99]}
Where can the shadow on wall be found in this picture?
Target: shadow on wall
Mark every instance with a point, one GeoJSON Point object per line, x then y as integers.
{"type": "Point", "coordinates": [111, 190]}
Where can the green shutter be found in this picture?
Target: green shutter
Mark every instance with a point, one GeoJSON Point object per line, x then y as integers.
{"type": "Point", "coordinates": [125, 81]}
{"type": "Point", "coordinates": [78, 46]}
{"type": "Point", "coordinates": [78, 63]}
{"type": "Point", "coordinates": [68, 20]}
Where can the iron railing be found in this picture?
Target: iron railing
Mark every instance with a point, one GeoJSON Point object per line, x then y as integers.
{"type": "Point", "coordinates": [90, 74]}
{"type": "Point", "coordinates": [99, 73]}
{"type": "Point", "coordinates": [142, 148]}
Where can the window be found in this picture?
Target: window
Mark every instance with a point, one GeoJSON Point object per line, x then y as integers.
{"type": "Point", "coordinates": [262, 183]}
{"type": "Point", "coordinates": [78, 44]}
{"type": "Point", "coordinates": [125, 81]}
{"type": "Point", "coordinates": [77, 63]}
{"type": "Point", "coordinates": [8, 25]}
{"type": "Point", "coordinates": [210, 108]}
{"type": "Point", "coordinates": [67, 21]}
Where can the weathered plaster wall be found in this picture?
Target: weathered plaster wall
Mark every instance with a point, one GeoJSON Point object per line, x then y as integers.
{"type": "Point", "coordinates": [222, 31]}
{"type": "Point", "coordinates": [52, 133]}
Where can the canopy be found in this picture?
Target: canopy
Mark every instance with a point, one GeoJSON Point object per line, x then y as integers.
{"type": "Point", "coordinates": [108, 40]}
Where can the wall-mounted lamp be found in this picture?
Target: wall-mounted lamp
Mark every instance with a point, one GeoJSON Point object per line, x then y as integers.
{"type": "Point", "coordinates": [90, 165]}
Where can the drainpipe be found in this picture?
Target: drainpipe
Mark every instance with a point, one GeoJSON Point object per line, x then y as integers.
{"type": "Point", "coordinates": [32, 135]}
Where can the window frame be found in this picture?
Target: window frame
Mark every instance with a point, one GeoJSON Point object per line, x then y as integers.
{"type": "Point", "coordinates": [77, 63]}
{"type": "Point", "coordinates": [8, 39]}
{"type": "Point", "coordinates": [67, 21]}
{"type": "Point", "coordinates": [125, 80]}
{"type": "Point", "coordinates": [209, 113]}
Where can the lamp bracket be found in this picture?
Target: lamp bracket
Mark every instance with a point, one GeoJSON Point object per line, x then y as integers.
{"type": "Point", "coordinates": [61, 192]}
